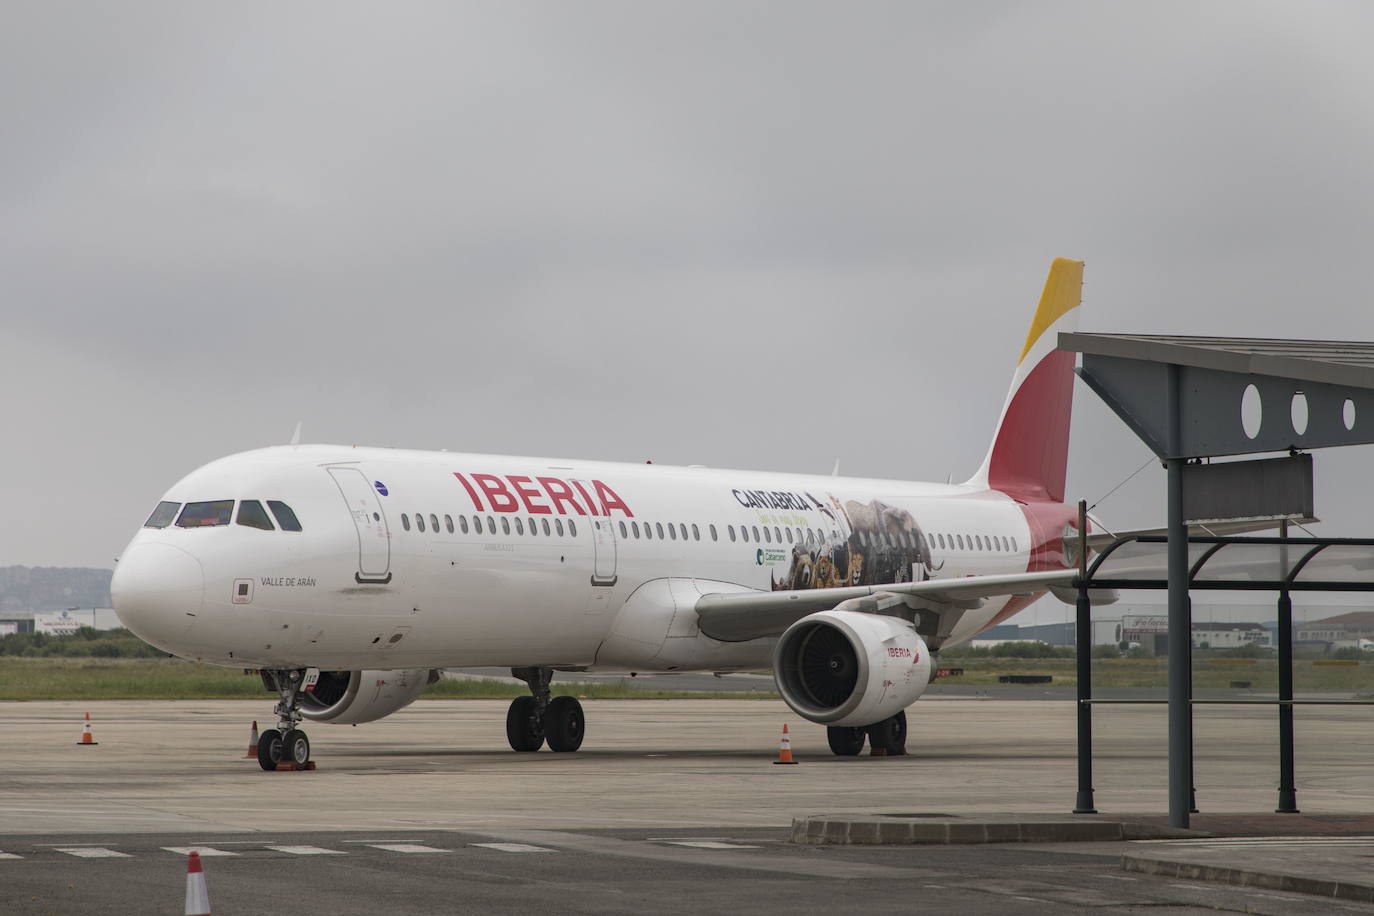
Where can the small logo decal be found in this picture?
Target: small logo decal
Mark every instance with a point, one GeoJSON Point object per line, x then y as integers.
{"type": "Point", "coordinates": [758, 556]}
{"type": "Point", "coordinates": [381, 487]}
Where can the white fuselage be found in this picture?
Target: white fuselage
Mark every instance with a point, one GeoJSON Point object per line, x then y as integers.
{"type": "Point", "coordinates": [361, 586]}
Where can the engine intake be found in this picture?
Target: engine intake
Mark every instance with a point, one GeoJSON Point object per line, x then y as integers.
{"type": "Point", "coordinates": [844, 668]}
{"type": "Point", "coordinates": [350, 697]}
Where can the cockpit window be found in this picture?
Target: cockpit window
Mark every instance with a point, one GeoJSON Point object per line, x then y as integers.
{"type": "Point", "coordinates": [253, 515]}
{"type": "Point", "coordinates": [162, 516]}
{"type": "Point", "coordinates": [286, 519]}
{"type": "Point", "coordinates": [206, 514]}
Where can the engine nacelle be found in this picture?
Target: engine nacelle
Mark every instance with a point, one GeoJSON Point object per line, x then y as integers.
{"type": "Point", "coordinates": [844, 668]}
{"type": "Point", "coordinates": [350, 697]}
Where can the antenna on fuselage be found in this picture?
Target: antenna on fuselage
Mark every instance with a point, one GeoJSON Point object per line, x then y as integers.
{"type": "Point", "coordinates": [296, 436]}
{"type": "Point", "coordinates": [835, 471]}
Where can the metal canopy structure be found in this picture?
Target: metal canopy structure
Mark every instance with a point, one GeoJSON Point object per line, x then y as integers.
{"type": "Point", "coordinates": [1193, 398]}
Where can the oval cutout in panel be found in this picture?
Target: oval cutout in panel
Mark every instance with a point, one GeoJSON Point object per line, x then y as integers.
{"type": "Point", "coordinates": [1348, 413]}
{"type": "Point", "coordinates": [1251, 412]}
{"type": "Point", "coordinates": [1298, 412]}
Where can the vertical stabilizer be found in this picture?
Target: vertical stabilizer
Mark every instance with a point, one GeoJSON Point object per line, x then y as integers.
{"type": "Point", "coordinates": [1029, 456]}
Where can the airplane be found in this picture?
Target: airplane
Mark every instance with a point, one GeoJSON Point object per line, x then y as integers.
{"type": "Point", "coordinates": [351, 578]}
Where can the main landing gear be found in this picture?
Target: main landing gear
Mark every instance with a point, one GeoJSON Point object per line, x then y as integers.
{"type": "Point", "coordinates": [286, 743]}
{"type": "Point", "coordinates": [532, 720]}
{"type": "Point", "coordinates": [887, 738]}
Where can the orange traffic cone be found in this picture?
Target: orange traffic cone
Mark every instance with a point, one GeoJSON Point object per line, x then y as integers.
{"type": "Point", "coordinates": [197, 895]}
{"type": "Point", "coordinates": [253, 743]}
{"type": "Point", "coordinates": [87, 739]}
{"type": "Point", "coordinates": [785, 748]}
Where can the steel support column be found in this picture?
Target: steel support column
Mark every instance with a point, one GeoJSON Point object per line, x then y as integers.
{"type": "Point", "coordinates": [1180, 629]}
{"type": "Point", "coordinates": [1083, 642]}
{"type": "Point", "coordinates": [1288, 793]}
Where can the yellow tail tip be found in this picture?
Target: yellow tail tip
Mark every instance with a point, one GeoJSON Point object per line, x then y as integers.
{"type": "Point", "coordinates": [1063, 293]}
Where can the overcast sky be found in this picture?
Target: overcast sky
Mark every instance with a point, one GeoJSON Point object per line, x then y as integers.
{"type": "Point", "coordinates": [760, 235]}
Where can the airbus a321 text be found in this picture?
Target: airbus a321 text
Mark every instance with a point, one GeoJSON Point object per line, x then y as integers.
{"type": "Point", "coordinates": [350, 577]}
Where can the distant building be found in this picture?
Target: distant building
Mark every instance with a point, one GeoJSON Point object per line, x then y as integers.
{"type": "Point", "coordinates": [1229, 635]}
{"type": "Point", "coordinates": [1345, 628]}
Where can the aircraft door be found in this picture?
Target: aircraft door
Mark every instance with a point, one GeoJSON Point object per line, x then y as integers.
{"type": "Point", "coordinates": [374, 537]}
{"type": "Point", "coordinates": [604, 545]}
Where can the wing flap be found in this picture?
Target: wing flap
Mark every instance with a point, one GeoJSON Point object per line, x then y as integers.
{"type": "Point", "coordinates": [737, 616]}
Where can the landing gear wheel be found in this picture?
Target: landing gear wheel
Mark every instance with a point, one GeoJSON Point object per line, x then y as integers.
{"type": "Point", "coordinates": [295, 748]}
{"type": "Point", "coordinates": [888, 737]}
{"type": "Point", "coordinates": [524, 729]}
{"type": "Point", "coordinates": [269, 749]}
{"type": "Point", "coordinates": [846, 742]}
{"type": "Point", "coordinates": [564, 724]}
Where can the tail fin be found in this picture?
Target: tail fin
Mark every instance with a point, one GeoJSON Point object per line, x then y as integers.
{"type": "Point", "coordinates": [1029, 456]}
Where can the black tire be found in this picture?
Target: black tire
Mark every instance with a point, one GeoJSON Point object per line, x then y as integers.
{"type": "Point", "coordinates": [295, 747]}
{"type": "Point", "coordinates": [844, 741]}
{"type": "Point", "coordinates": [269, 749]}
{"type": "Point", "coordinates": [889, 735]}
{"type": "Point", "coordinates": [564, 724]}
{"type": "Point", "coordinates": [524, 731]}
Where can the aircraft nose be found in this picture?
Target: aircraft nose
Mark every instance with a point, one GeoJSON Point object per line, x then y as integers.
{"type": "Point", "coordinates": [157, 590]}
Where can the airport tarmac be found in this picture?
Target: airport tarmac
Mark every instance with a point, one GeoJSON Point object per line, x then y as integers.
{"type": "Point", "coordinates": [173, 774]}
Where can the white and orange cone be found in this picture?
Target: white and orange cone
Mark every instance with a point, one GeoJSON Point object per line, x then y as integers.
{"type": "Point", "coordinates": [87, 739]}
{"type": "Point", "coordinates": [253, 743]}
{"type": "Point", "coordinates": [785, 748]}
{"type": "Point", "coordinates": [197, 895]}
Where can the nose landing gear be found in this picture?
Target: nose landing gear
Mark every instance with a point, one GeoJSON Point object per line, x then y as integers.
{"type": "Point", "coordinates": [532, 720]}
{"type": "Point", "coordinates": [286, 743]}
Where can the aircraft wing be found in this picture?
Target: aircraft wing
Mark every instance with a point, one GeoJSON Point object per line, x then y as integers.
{"type": "Point", "coordinates": [737, 616]}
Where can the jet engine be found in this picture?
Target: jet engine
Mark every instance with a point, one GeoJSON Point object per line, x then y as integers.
{"type": "Point", "coordinates": [350, 697]}
{"type": "Point", "coordinates": [844, 668]}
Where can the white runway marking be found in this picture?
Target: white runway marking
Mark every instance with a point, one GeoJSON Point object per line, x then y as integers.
{"type": "Point", "coordinates": [308, 851]}
{"type": "Point", "coordinates": [205, 851]}
{"type": "Point", "coordinates": [709, 844]}
{"type": "Point", "coordinates": [9, 855]}
{"type": "Point", "coordinates": [93, 852]}
{"type": "Point", "coordinates": [513, 847]}
{"type": "Point", "coordinates": [406, 847]}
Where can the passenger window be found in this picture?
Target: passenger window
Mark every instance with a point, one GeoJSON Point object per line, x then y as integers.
{"type": "Point", "coordinates": [546, 526]}
{"type": "Point", "coordinates": [731, 530]}
{"type": "Point", "coordinates": [658, 529]}
{"type": "Point", "coordinates": [648, 532]}
{"type": "Point", "coordinates": [491, 525]}
{"type": "Point", "coordinates": [714, 535]}
{"type": "Point", "coordinates": [756, 534]}
{"type": "Point", "coordinates": [1014, 548]}
{"type": "Point", "coordinates": [683, 528]}
{"type": "Point", "coordinates": [624, 532]}
{"type": "Point", "coordinates": [206, 515]}
{"type": "Point", "coordinates": [448, 523]}
{"type": "Point", "coordinates": [940, 538]}
{"type": "Point", "coordinates": [672, 532]}
{"type": "Point", "coordinates": [163, 515]}
{"type": "Point", "coordinates": [767, 536]}
{"type": "Point", "coordinates": [434, 523]}
{"type": "Point", "coordinates": [789, 534]}
{"type": "Point", "coordinates": [533, 525]}
{"type": "Point", "coordinates": [744, 533]}
{"type": "Point", "coordinates": [696, 532]}
{"type": "Point", "coordinates": [572, 527]}
{"type": "Point", "coordinates": [505, 524]}
{"type": "Point", "coordinates": [419, 522]}
{"type": "Point", "coordinates": [253, 515]}
{"type": "Point", "coordinates": [477, 523]}
{"type": "Point", "coordinates": [519, 528]}
{"type": "Point", "coordinates": [960, 539]}
{"type": "Point", "coordinates": [405, 521]}
{"type": "Point", "coordinates": [777, 534]}
{"type": "Point", "coordinates": [463, 523]}
{"type": "Point", "coordinates": [634, 529]}
{"type": "Point", "coordinates": [558, 523]}
{"type": "Point", "coordinates": [811, 536]}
